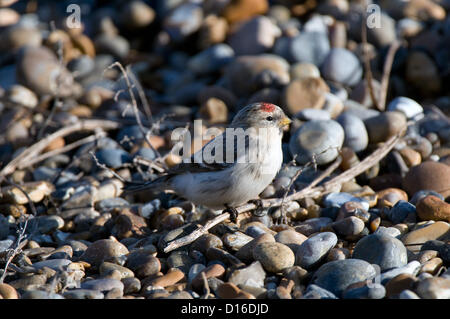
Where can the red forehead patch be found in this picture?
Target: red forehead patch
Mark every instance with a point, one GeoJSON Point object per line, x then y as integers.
{"type": "Point", "coordinates": [267, 107]}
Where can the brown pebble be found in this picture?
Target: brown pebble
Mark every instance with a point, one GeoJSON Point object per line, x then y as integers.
{"type": "Point", "coordinates": [428, 175]}
{"type": "Point", "coordinates": [426, 255]}
{"type": "Point", "coordinates": [432, 266]}
{"type": "Point", "coordinates": [374, 224]}
{"type": "Point", "coordinates": [228, 290]}
{"type": "Point", "coordinates": [390, 196]}
{"type": "Point", "coordinates": [399, 283]}
{"type": "Point", "coordinates": [240, 10]}
{"type": "Point", "coordinates": [433, 208]}
{"type": "Point", "coordinates": [172, 277]}
{"type": "Point", "coordinates": [246, 252]}
{"type": "Point", "coordinates": [415, 239]}
{"type": "Point", "coordinates": [215, 270]}
{"type": "Point", "coordinates": [410, 156]}
{"type": "Point", "coordinates": [8, 292]}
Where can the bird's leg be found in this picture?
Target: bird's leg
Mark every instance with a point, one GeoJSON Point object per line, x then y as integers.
{"type": "Point", "coordinates": [259, 210]}
{"type": "Point", "coordinates": [232, 211]}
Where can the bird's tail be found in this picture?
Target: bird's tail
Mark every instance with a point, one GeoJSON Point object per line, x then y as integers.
{"type": "Point", "coordinates": [160, 183]}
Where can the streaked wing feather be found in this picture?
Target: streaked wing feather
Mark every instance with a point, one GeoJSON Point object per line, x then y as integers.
{"type": "Point", "coordinates": [203, 166]}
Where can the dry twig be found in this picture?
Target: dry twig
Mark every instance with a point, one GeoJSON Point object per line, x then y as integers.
{"type": "Point", "coordinates": [34, 150]}
{"type": "Point", "coordinates": [310, 191]}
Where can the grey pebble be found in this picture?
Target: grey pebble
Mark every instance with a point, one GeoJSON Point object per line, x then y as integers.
{"type": "Point", "coordinates": [83, 294]}
{"type": "Point", "coordinates": [103, 285]}
{"type": "Point", "coordinates": [315, 249]}
{"type": "Point", "coordinates": [337, 275]}
{"type": "Point", "coordinates": [385, 251]}
{"type": "Point", "coordinates": [315, 292]}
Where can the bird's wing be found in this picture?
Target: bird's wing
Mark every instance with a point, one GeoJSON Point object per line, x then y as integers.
{"type": "Point", "coordinates": [213, 156]}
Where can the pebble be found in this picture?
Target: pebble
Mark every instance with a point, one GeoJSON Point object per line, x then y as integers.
{"type": "Point", "coordinates": [408, 294]}
{"type": "Point", "coordinates": [251, 276]}
{"type": "Point", "coordinates": [390, 196]}
{"type": "Point", "coordinates": [401, 210]}
{"type": "Point", "coordinates": [274, 257]}
{"type": "Point", "coordinates": [245, 253]}
{"type": "Point", "coordinates": [213, 271]}
{"type": "Point", "coordinates": [434, 288]}
{"type": "Point", "coordinates": [107, 267]}
{"type": "Point", "coordinates": [315, 292]}
{"type": "Point", "coordinates": [315, 249]}
{"type": "Point", "coordinates": [103, 250]}
{"type": "Point", "coordinates": [356, 136]}
{"type": "Point", "coordinates": [364, 290]}
{"type": "Point", "coordinates": [30, 281]}
{"type": "Point", "coordinates": [137, 14]}
{"type": "Point", "coordinates": [236, 240]}
{"type": "Point", "coordinates": [428, 176]}
{"type": "Point", "coordinates": [36, 192]}
{"type": "Point", "coordinates": [406, 105]}
{"type": "Point", "coordinates": [388, 231]}
{"type": "Point", "coordinates": [183, 21]}
{"type": "Point", "coordinates": [398, 284]}
{"type": "Point", "coordinates": [422, 73]}
{"type": "Point", "coordinates": [19, 94]}
{"type": "Point", "coordinates": [55, 264]}
{"type": "Point", "coordinates": [412, 268]}
{"type": "Point", "coordinates": [380, 128]}
{"type": "Point", "coordinates": [113, 158]}
{"type": "Point", "coordinates": [254, 36]}
{"type": "Point", "coordinates": [339, 199]}
{"type": "Point", "coordinates": [433, 208]}
{"type": "Point", "coordinates": [307, 47]}
{"type": "Point", "coordinates": [442, 248]}
{"type": "Point", "coordinates": [305, 93]}
{"type": "Point", "coordinates": [336, 276]}
{"type": "Point", "coordinates": [131, 285]}
{"type": "Point", "coordinates": [385, 251]}
{"type": "Point", "coordinates": [313, 225]}
{"type": "Point", "coordinates": [172, 277]}
{"type": "Point", "coordinates": [303, 70]}
{"type": "Point", "coordinates": [38, 294]}
{"type": "Point", "coordinates": [242, 73]}
{"type": "Point", "coordinates": [8, 292]}
{"type": "Point", "coordinates": [348, 226]}
{"type": "Point", "coordinates": [290, 238]}
{"type": "Point", "coordinates": [103, 285]}
{"type": "Point", "coordinates": [319, 138]}
{"type": "Point", "coordinates": [211, 60]}
{"type": "Point", "coordinates": [342, 66]}
{"type": "Point", "coordinates": [36, 69]}
{"type": "Point", "coordinates": [241, 10]}
{"type": "Point", "coordinates": [313, 114]}
{"type": "Point", "coordinates": [83, 294]}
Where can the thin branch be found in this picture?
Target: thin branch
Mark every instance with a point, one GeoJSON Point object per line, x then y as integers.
{"type": "Point", "coordinates": [19, 243]}
{"type": "Point", "coordinates": [386, 73]}
{"type": "Point", "coordinates": [310, 191]}
{"type": "Point", "coordinates": [34, 150]}
{"type": "Point", "coordinates": [86, 140]}
{"type": "Point", "coordinates": [368, 70]}
{"type": "Point", "coordinates": [106, 168]}
{"type": "Point", "coordinates": [134, 104]}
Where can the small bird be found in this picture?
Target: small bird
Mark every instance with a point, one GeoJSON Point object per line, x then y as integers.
{"type": "Point", "coordinates": [224, 184]}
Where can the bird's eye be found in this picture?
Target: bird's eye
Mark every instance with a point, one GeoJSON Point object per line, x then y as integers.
{"type": "Point", "coordinates": [269, 118]}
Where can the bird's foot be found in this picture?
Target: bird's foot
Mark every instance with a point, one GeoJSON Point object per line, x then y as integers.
{"type": "Point", "coordinates": [282, 218]}
{"type": "Point", "coordinates": [232, 211]}
{"type": "Point", "coordinates": [259, 210]}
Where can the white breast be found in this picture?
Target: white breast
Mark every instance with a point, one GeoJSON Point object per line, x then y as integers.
{"type": "Point", "coordinates": [235, 185]}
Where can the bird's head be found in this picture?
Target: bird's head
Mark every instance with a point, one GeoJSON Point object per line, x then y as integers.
{"type": "Point", "coordinates": [259, 115]}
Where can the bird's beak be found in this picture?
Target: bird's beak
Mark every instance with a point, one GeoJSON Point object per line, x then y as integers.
{"type": "Point", "coordinates": [285, 122]}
